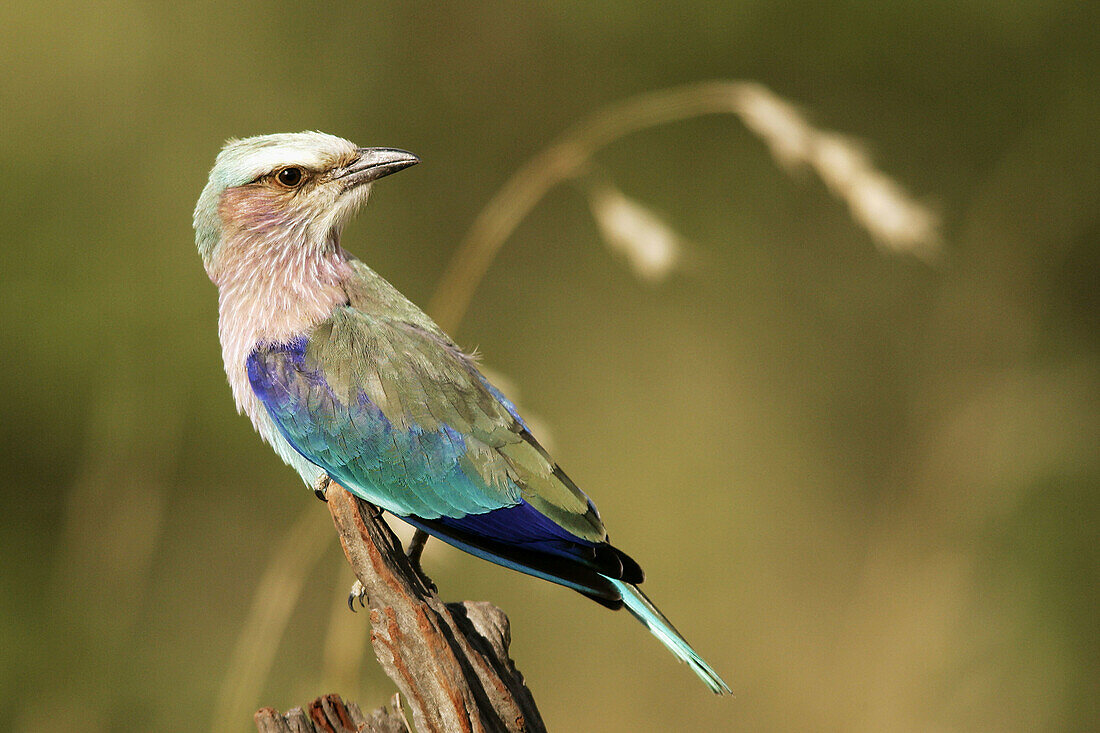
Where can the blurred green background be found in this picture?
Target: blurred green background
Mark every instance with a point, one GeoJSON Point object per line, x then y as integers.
{"type": "Point", "coordinates": [864, 486]}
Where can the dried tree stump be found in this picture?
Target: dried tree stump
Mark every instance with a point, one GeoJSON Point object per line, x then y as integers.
{"type": "Point", "coordinates": [330, 714]}
{"type": "Point", "coordinates": [449, 661]}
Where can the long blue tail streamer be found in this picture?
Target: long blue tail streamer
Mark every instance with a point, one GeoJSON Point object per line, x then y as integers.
{"type": "Point", "coordinates": [644, 610]}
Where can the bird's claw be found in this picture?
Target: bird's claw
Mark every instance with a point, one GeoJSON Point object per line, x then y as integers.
{"type": "Point", "coordinates": [358, 593]}
{"type": "Point", "coordinates": [414, 552]}
{"type": "Point", "coordinates": [427, 582]}
{"type": "Point", "coordinates": [320, 488]}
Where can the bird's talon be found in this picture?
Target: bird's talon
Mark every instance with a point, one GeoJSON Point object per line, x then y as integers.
{"type": "Point", "coordinates": [428, 583]}
{"type": "Point", "coordinates": [320, 488]}
{"type": "Point", "coordinates": [358, 592]}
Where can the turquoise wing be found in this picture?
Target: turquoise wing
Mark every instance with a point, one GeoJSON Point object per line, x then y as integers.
{"type": "Point", "coordinates": [399, 415]}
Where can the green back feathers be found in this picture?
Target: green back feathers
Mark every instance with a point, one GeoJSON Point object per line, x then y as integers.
{"type": "Point", "coordinates": [421, 381]}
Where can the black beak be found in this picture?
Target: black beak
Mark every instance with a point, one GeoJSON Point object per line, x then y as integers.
{"type": "Point", "coordinates": [374, 163]}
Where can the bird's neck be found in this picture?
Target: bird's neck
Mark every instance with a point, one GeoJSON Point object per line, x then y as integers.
{"type": "Point", "coordinates": [273, 292]}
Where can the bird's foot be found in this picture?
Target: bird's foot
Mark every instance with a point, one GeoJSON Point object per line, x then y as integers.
{"type": "Point", "coordinates": [358, 593]}
{"type": "Point", "coordinates": [320, 487]}
{"type": "Point", "coordinates": [428, 582]}
{"type": "Point", "coordinates": [414, 553]}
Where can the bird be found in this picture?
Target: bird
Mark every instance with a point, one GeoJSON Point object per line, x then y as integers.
{"type": "Point", "coordinates": [349, 381]}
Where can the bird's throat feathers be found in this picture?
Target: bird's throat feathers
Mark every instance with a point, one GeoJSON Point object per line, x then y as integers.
{"type": "Point", "coordinates": [273, 290]}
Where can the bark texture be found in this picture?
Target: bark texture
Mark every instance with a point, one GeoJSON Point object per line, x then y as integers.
{"type": "Point", "coordinates": [449, 660]}
{"type": "Point", "coordinates": [330, 714]}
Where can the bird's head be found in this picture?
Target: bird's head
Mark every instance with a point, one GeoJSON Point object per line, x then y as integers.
{"type": "Point", "coordinates": [292, 189]}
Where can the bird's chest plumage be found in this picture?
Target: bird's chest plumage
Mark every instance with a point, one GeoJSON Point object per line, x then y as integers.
{"type": "Point", "coordinates": [270, 298]}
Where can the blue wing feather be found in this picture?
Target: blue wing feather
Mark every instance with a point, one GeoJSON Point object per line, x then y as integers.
{"type": "Point", "coordinates": [408, 470]}
{"type": "Point", "coordinates": [449, 481]}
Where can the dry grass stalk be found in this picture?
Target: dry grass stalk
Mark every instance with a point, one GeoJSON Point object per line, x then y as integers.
{"type": "Point", "coordinates": [650, 246]}
{"type": "Point", "coordinates": [345, 640]}
{"type": "Point", "coordinates": [275, 598]}
{"type": "Point", "coordinates": [876, 201]}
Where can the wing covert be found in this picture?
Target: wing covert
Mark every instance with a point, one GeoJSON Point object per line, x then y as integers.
{"type": "Point", "coordinates": [397, 413]}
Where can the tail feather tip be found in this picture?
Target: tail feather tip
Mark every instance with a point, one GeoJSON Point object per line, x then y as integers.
{"type": "Point", "coordinates": [644, 610]}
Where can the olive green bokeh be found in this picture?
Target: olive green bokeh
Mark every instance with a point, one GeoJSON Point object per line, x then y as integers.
{"type": "Point", "coordinates": [866, 488]}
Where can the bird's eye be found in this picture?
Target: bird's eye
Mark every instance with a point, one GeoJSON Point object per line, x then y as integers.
{"type": "Point", "coordinates": [289, 177]}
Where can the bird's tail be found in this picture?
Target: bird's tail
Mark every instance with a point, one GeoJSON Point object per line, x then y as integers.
{"type": "Point", "coordinates": [643, 609]}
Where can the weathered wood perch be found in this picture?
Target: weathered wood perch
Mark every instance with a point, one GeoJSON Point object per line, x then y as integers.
{"type": "Point", "coordinates": [449, 661]}
{"type": "Point", "coordinates": [330, 714]}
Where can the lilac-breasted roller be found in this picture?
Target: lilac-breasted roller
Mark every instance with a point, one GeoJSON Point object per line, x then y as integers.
{"type": "Point", "coordinates": [347, 379]}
